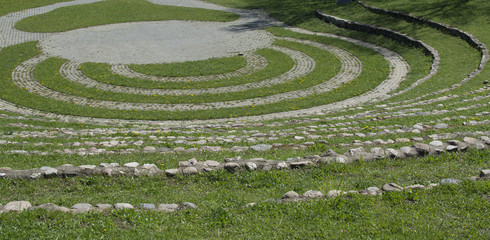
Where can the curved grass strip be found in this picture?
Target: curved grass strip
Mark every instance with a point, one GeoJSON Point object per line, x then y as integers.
{"type": "Point", "coordinates": [194, 68]}
{"type": "Point", "coordinates": [278, 63]}
{"type": "Point", "coordinates": [115, 11]}
{"type": "Point", "coordinates": [254, 63]}
{"type": "Point", "coordinates": [17, 5]}
{"type": "Point", "coordinates": [22, 97]}
{"type": "Point", "coordinates": [304, 65]}
{"type": "Point", "coordinates": [289, 83]}
{"type": "Point", "coordinates": [458, 59]}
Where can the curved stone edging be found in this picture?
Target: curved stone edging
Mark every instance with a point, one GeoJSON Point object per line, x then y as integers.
{"type": "Point", "coordinates": [467, 37]}
{"type": "Point", "coordinates": [418, 150]}
{"type": "Point", "coordinates": [397, 36]}
{"type": "Point", "coordinates": [193, 166]}
{"type": "Point", "coordinates": [19, 206]}
{"type": "Point", "coordinates": [292, 196]}
{"type": "Point", "coordinates": [303, 65]}
{"type": "Point", "coordinates": [23, 77]}
{"type": "Point", "coordinates": [255, 63]}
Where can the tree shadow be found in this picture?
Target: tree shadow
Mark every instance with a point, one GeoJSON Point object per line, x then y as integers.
{"type": "Point", "coordinates": [457, 12]}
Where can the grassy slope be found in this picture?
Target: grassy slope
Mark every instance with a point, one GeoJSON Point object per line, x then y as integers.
{"type": "Point", "coordinates": [459, 212]}
{"type": "Point", "coordinates": [115, 11]}
{"type": "Point", "coordinates": [221, 197]}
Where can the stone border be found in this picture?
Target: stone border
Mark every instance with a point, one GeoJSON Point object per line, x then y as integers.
{"type": "Point", "coordinates": [20, 206]}
{"type": "Point", "coordinates": [193, 166]}
{"type": "Point", "coordinates": [467, 37]}
{"type": "Point", "coordinates": [292, 196]}
{"type": "Point", "coordinates": [397, 36]}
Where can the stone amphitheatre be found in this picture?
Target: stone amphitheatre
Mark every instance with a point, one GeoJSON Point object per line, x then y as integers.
{"type": "Point", "coordinates": [208, 119]}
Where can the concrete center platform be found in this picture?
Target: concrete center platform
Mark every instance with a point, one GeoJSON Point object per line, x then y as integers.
{"type": "Point", "coordinates": [154, 42]}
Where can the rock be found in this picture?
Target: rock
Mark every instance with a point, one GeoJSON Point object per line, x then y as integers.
{"type": "Point", "coordinates": [261, 147]}
{"type": "Point", "coordinates": [168, 207]}
{"type": "Point", "coordinates": [329, 153]}
{"type": "Point", "coordinates": [451, 148]}
{"type": "Point", "coordinates": [371, 191]}
{"type": "Point", "coordinates": [441, 126]}
{"type": "Point", "coordinates": [470, 140]}
{"type": "Point", "coordinates": [450, 181]}
{"type": "Point", "coordinates": [290, 195]}
{"type": "Point", "coordinates": [107, 172]}
{"type": "Point", "coordinates": [147, 206]}
{"type": "Point", "coordinates": [149, 166]}
{"type": "Point", "coordinates": [190, 170]}
{"type": "Point", "coordinates": [402, 140]}
{"type": "Point", "coordinates": [87, 167]}
{"type": "Point", "coordinates": [378, 153]}
{"type": "Point", "coordinates": [211, 149]}
{"type": "Point", "coordinates": [123, 206]}
{"type": "Point", "coordinates": [313, 194]}
{"type": "Point", "coordinates": [171, 172]}
{"type": "Point", "coordinates": [408, 151]}
{"type": "Point", "coordinates": [187, 205]}
{"type": "Point", "coordinates": [416, 186]}
{"type": "Point", "coordinates": [391, 187]}
{"type": "Point", "coordinates": [16, 206]}
{"type": "Point", "coordinates": [340, 159]}
{"type": "Point", "coordinates": [149, 149]}
{"type": "Point", "coordinates": [232, 166]}
{"type": "Point", "coordinates": [131, 165]}
{"type": "Point", "coordinates": [422, 149]}
{"type": "Point", "coordinates": [81, 207]}
{"type": "Point", "coordinates": [211, 163]}
{"type": "Point", "coordinates": [281, 165]}
{"type": "Point", "coordinates": [356, 153]}
{"type": "Point", "coordinates": [299, 164]}
{"type": "Point", "coordinates": [103, 206]}
{"type": "Point", "coordinates": [51, 172]}
{"type": "Point", "coordinates": [334, 193]}
{"type": "Point", "coordinates": [485, 173]}
{"type": "Point", "coordinates": [462, 146]}
{"type": "Point", "coordinates": [250, 166]}
{"type": "Point", "coordinates": [436, 144]}
{"type": "Point", "coordinates": [35, 175]}
{"type": "Point", "coordinates": [392, 153]}
{"type": "Point", "coordinates": [50, 207]}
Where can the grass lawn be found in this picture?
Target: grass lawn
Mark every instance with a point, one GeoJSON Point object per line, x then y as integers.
{"type": "Point", "coordinates": [447, 211]}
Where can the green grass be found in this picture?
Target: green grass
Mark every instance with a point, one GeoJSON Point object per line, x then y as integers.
{"type": "Point", "coordinates": [445, 212]}
{"type": "Point", "coordinates": [372, 75]}
{"type": "Point", "coordinates": [9, 6]}
{"type": "Point", "coordinates": [115, 11]}
{"type": "Point", "coordinates": [193, 68]}
{"type": "Point", "coordinates": [221, 197]}
{"type": "Point", "coordinates": [278, 63]}
{"type": "Point", "coordinates": [327, 64]}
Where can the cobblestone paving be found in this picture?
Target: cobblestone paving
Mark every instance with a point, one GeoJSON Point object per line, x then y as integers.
{"type": "Point", "coordinates": [250, 23]}
{"type": "Point", "coordinates": [303, 66]}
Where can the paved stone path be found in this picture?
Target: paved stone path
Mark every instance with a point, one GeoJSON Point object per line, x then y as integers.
{"type": "Point", "coordinates": [303, 66]}
{"type": "Point", "coordinates": [351, 68]}
{"type": "Point", "coordinates": [250, 21]}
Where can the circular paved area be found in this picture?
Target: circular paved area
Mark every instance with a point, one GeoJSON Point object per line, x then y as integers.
{"type": "Point", "coordinates": [154, 42]}
{"type": "Point", "coordinates": [176, 41]}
